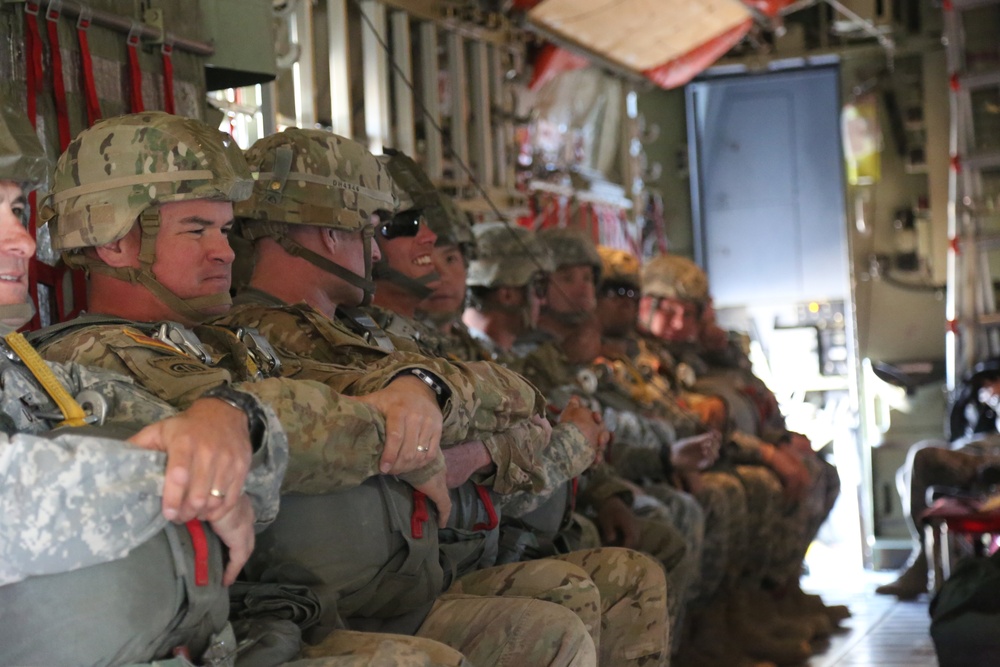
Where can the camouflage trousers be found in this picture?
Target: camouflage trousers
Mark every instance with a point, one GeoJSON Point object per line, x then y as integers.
{"type": "Point", "coordinates": [345, 648]}
{"type": "Point", "coordinates": [619, 595]}
{"type": "Point", "coordinates": [670, 518]}
{"type": "Point", "coordinates": [500, 631]}
{"type": "Point", "coordinates": [768, 530]}
{"type": "Point", "coordinates": [724, 501]}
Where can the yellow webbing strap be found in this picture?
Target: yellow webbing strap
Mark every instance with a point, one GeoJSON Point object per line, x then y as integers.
{"type": "Point", "coordinates": [73, 414]}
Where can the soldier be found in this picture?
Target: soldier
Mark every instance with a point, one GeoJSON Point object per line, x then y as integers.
{"type": "Point", "coordinates": [95, 528]}
{"type": "Point", "coordinates": [401, 304]}
{"type": "Point", "coordinates": [968, 463]}
{"type": "Point", "coordinates": [671, 312]}
{"type": "Point", "coordinates": [317, 222]}
{"type": "Point", "coordinates": [179, 179]}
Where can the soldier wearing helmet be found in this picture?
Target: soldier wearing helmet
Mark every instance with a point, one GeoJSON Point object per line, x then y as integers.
{"type": "Point", "coordinates": [570, 298]}
{"type": "Point", "coordinates": [618, 293]}
{"type": "Point", "coordinates": [111, 553]}
{"type": "Point", "coordinates": [674, 291]}
{"type": "Point", "coordinates": [507, 283]}
{"type": "Point", "coordinates": [317, 340]}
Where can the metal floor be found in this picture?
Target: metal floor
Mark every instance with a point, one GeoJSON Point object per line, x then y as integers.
{"type": "Point", "coordinates": [883, 632]}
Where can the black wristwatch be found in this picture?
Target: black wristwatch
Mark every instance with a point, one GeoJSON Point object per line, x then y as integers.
{"type": "Point", "coordinates": [256, 421]}
{"type": "Point", "coordinates": [441, 391]}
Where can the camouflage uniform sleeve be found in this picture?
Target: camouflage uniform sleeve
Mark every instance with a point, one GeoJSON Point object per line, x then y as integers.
{"type": "Point", "coordinates": [523, 468]}
{"type": "Point", "coordinates": [334, 441]}
{"type": "Point", "coordinates": [601, 484]}
{"type": "Point", "coordinates": [73, 502]}
{"type": "Point", "coordinates": [641, 447]}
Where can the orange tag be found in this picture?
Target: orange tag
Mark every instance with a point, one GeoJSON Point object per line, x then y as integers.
{"type": "Point", "coordinates": [143, 339]}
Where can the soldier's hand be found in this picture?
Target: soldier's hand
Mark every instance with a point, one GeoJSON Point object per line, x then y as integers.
{"type": "Point", "coordinates": [546, 426]}
{"type": "Point", "coordinates": [235, 529]}
{"type": "Point", "coordinates": [696, 452]}
{"type": "Point", "coordinates": [208, 456]}
{"type": "Point", "coordinates": [589, 422]}
{"type": "Point", "coordinates": [436, 490]}
{"type": "Point", "coordinates": [412, 424]}
{"type": "Point", "coordinates": [794, 475]}
{"type": "Point", "coordinates": [617, 523]}
{"type": "Point", "coordinates": [463, 460]}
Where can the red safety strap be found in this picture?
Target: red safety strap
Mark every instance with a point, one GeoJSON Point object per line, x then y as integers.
{"type": "Point", "coordinates": [87, 67]}
{"type": "Point", "coordinates": [58, 84]}
{"type": "Point", "coordinates": [134, 71]}
{"type": "Point", "coordinates": [420, 515]}
{"type": "Point", "coordinates": [168, 77]}
{"type": "Point", "coordinates": [573, 489]}
{"type": "Point", "coordinates": [200, 544]}
{"type": "Point", "coordinates": [33, 47]}
{"type": "Point", "coordinates": [491, 510]}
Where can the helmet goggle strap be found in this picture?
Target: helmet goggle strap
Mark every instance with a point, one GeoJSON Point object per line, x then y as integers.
{"type": "Point", "coordinates": [254, 230]}
{"type": "Point", "coordinates": [193, 309]}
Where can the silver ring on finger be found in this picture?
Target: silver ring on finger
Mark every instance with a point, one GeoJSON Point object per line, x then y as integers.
{"type": "Point", "coordinates": [216, 493]}
{"type": "Point", "coordinates": [422, 448]}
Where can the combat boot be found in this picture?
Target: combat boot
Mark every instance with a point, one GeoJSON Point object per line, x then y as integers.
{"type": "Point", "coordinates": [708, 643]}
{"type": "Point", "coordinates": [912, 582]}
{"type": "Point", "coordinates": [756, 638]}
{"type": "Point", "coordinates": [798, 601]}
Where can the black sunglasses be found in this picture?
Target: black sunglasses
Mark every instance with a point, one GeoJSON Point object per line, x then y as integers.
{"type": "Point", "coordinates": [404, 223]}
{"type": "Point", "coordinates": [629, 293]}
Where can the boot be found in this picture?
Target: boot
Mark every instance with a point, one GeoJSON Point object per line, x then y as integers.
{"type": "Point", "coordinates": [814, 604]}
{"type": "Point", "coordinates": [757, 640]}
{"type": "Point", "coordinates": [708, 643]}
{"type": "Point", "coordinates": [912, 582]}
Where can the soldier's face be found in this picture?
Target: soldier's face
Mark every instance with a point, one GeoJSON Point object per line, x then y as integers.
{"type": "Point", "coordinates": [16, 245]}
{"type": "Point", "coordinates": [571, 290]}
{"type": "Point", "coordinates": [193, 256]}
{"type": "Point", "coordinates": [410, 255]}
{"type": "Point", "coordinates": [349, 253]}
{"type": "Point", "coordinates": [448, 296]}
{"type": "Point", "coordinates": [673, 320]}
{"type": "Point", "coordinates": [617, 310]}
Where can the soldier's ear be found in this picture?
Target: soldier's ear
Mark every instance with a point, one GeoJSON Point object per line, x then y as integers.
{"type": "Point", "coordinates": [328, 237]}
{"type": "Point", "coordinates": [121, 253]}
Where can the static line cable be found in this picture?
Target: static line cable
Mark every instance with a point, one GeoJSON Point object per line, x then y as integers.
{"type": "Point", "coordinates": [433, 123]}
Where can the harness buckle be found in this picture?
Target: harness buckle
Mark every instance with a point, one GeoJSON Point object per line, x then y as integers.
{"type": "Point", "coordinates": [184, 341]}
{"type": "Point", "coordinates": [260, 350]}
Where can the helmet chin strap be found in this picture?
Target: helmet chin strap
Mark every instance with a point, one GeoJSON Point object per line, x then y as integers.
{"type": "Point", "coordinates": [277, 231]}
{"type": "Point", "coordinates": [418, 287]}
{"type": "Point", "coordinates": [194, 309]}
{"type": "Point", "coordinates": [13, 316]}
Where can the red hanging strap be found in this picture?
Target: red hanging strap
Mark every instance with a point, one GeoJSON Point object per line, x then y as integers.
{"type": "Point", "coordinates": [58, 84]}
{"type": "Point", "coordinates": [491, 511]}
{"type": "Point", "coordinates": [199, 542]}
{"type": "Point", "coordinates": [420, 515]}
{"type": "Point", "coordinates": [87, 67]}
{"type": "Point", "coordinates": [168, 77]}
{"type": "Point", "coordinates": [134, 71]}
{"type": "Point", "coordinates": [33, 47]}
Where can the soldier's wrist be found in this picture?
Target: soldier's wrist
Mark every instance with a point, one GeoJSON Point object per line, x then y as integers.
{"type": "Point", "coordinates": [441, 390]}
{"type": "Point", "coordinates": [248, 405]}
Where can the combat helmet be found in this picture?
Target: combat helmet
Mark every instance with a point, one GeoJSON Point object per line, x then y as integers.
{"type": "Point", "coordinates": [314, 177]}
{"type": "Point", "coordinates": [121, 170]}
{"type": "Point", "coordinates": [571, 247]}
{"type": "Point", "coordinates": [509, 256]}
{"type": "Point", "coordinates": [674, 277]}
{"type": "Point", "coordinates": [417, 197]}
{"type": "Point", "coordinates": [22, 161]}
{"type": "Point", "coordinates": [619, 268]}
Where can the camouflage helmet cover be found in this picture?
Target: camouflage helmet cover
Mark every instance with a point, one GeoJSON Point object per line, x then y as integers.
{"type": "Point", "coordinates": [620, 266]}
{"type": "Point", "coordinates": [314, 177]}
{"type": "Point", "coordinates": [571, 247]}
{"type": "Point", "coordinates": [674, 277]}
{"type": "Point", "coordinates": [443, 216]}
{"type": "Point", "coordinates": [112, 172]}
{"type": "Point", "coordinates": [509, 255]}
{"type": "Point", "coordinates": [22, 158]}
